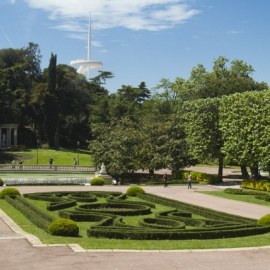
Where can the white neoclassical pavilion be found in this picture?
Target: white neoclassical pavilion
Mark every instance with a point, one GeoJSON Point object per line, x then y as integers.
{"type": "Point", "coordinates": [8, 135]}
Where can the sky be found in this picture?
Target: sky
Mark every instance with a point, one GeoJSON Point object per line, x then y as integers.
{"type": "Point", "coordinates": [142, 40]}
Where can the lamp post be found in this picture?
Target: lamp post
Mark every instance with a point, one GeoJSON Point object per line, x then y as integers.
{"type": "Point", "coordinates": [78, 144]}
{"type": "Point", "coordinates": [37, 149]}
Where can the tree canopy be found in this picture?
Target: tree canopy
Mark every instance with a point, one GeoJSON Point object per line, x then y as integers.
{"type": "Point", "coordinates": [212, 114]}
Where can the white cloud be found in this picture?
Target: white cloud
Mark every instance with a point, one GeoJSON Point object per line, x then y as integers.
{"type": "Point", "coordinates": [149, 15]}
{"type": "Point", "coordinates": [70, 26]}
{"type": "Point", "coordinates": [96, 43]}
{"type": "Point", "coordinates": [77, 36]}
{"type": "Point", "coordinates": [234, 32]}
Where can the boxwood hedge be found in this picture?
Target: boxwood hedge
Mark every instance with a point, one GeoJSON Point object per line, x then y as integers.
{"type": "Point", "coordinates": [108, 219]}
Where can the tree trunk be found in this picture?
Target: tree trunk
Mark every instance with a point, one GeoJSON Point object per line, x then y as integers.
{"type": "Point", "coordinates": [244, 171]}
{"type": "Point", "coordinates": [255, 172]}
{"type": "Point", "coordinates": [220, 166]}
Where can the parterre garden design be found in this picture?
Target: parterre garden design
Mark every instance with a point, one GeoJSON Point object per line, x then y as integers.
{"type": "Point", "coordinates": [116, 215]}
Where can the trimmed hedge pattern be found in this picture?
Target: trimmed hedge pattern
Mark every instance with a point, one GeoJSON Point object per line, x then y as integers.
{"type": "Point", "coordinates": [108, 219]}
{"type": "Point", "coordinates": [40, 218]}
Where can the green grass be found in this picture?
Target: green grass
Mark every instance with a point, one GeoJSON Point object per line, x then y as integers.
{"type": "Point", "coordinates": [100, 243]}
{"type": "Point", "coordinates": [60, 157]}
{"type": "Point", "coordinates": [243, 198]}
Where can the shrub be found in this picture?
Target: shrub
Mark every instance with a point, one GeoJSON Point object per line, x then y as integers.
{"type": "Point", "coordinates": [9, 191]}
{"type": "Point", "coordinates": [133, 191]}
{"type": "Point", "coordinates": [64, 227]}
{"type": "Point", "coordinates": [265, 220]}
{"type": "Point", "coordinates": [256, 184]}
{"type": "Point", "coordinates": [1, 182]}
{"type": "Point", "coordinates": [98, 181]}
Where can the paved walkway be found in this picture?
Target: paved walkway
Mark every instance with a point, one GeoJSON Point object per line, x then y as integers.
{"type": "Point", "coordinates": [21, 251]}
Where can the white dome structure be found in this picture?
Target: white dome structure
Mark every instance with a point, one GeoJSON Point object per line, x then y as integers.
{"type": "Point", "coordinates": [86, 65]}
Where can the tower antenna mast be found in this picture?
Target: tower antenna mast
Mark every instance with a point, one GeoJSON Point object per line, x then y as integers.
{"type": "Point", "coordinates": [86, 65]}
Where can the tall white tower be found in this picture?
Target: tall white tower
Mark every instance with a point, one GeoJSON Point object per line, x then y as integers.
{"type": "Point", "coordinates": [86, 65]}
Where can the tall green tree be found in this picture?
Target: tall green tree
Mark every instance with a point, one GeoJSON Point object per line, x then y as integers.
{"type": "Point", "coordinates": [128, 101]}
{"type": "Point", "coordinates": [51, 105]}
{"type": "Point", "coordinates": [164, 144]}
{"type": "Point", "coordinates": [245, 127]}
{"type": "Point", "coordinates": [202, 130]}
{"type": "Point", "coordinates": [74, 99]}
{"type": "Point", "coordinates": [226, 78]}
{"type": "Point", "coordinates": [116, 145]}
{"type": "Point", "coordinates": [19, 71]}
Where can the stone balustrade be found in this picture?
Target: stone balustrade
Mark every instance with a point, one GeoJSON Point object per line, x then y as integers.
{"type": "Point", "coordinates": [47, 168]}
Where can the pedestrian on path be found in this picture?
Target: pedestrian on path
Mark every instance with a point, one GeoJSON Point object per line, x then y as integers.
{"type": "Point", "coordinates": [51, 162]}
{"type": "Point", "coordinates": [21, 163]}
{"type": "Point", "coordinates": [189, 180]}
{"type": "Point", "coordinates": [165, 179]}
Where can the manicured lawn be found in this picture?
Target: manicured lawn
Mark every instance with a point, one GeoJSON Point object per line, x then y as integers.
{"type": "Point", "coordinates": [243, 198]}
{"type": "Point", "coordinates": [100, 243]}
{"type": "Point", "coordinates": [60, 157]}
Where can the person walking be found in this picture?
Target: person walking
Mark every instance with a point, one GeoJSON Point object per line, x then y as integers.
{"type": "Point", "coordinates": [165, 179]}
{"type": "Point", "coordinates": [13, 164]}
{"type": "Point", "coordinates": [189, 180]}
{"type": "Point", "coordinates": [51, 162]}
{"type": "Point", "coordinates": [75, 161]}
{"type": "Point", "coordinates": [21, 162]}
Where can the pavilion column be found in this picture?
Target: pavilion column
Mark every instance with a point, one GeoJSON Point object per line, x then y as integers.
{"type": "Point", "coordinates": [15, 136]}
{"type": "Point", "coordinates": [8, 137]}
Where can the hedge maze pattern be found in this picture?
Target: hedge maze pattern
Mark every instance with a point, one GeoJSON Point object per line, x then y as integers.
{"type": "Point", "coordinates": [184, 221]}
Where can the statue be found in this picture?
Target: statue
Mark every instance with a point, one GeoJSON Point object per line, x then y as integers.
{"type": "Point", "coordinates": [103, 174]}
{"type": "Point", "coordinates": [102, 169]}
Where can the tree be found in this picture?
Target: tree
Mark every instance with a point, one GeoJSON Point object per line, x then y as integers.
{"type": "Point", "coordinates": [226, 78]}
{"type": "Point", "coordinates": [128, 101]}
{"type": "Point", "coordinates": [19, 71]}
{"type": "Point", "coordinates": [245, 127]}
{"type": "Point", "coordinates": [51, 105]}
{"type": "Point", "coordinates": [102, 77]}
{"type": "Point", "coordinates": [33, 61]}
{"type": "Point", "coordinates": [116, 145]}
{"type": "Point", "coordinates": [74, 100]}
{"type": "Point", "coordinates": [170, 99]}
{"type": "Point", "coordinates": [202, 129]}
{"type": "Point", "coordinates": [164, 144]}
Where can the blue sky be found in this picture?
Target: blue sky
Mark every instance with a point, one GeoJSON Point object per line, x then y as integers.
{"type": "Point", "coordinates": [142, 40]}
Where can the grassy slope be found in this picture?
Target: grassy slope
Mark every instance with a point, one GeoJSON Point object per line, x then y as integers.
{"type": "Point", "coordinates": [61, 156]}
